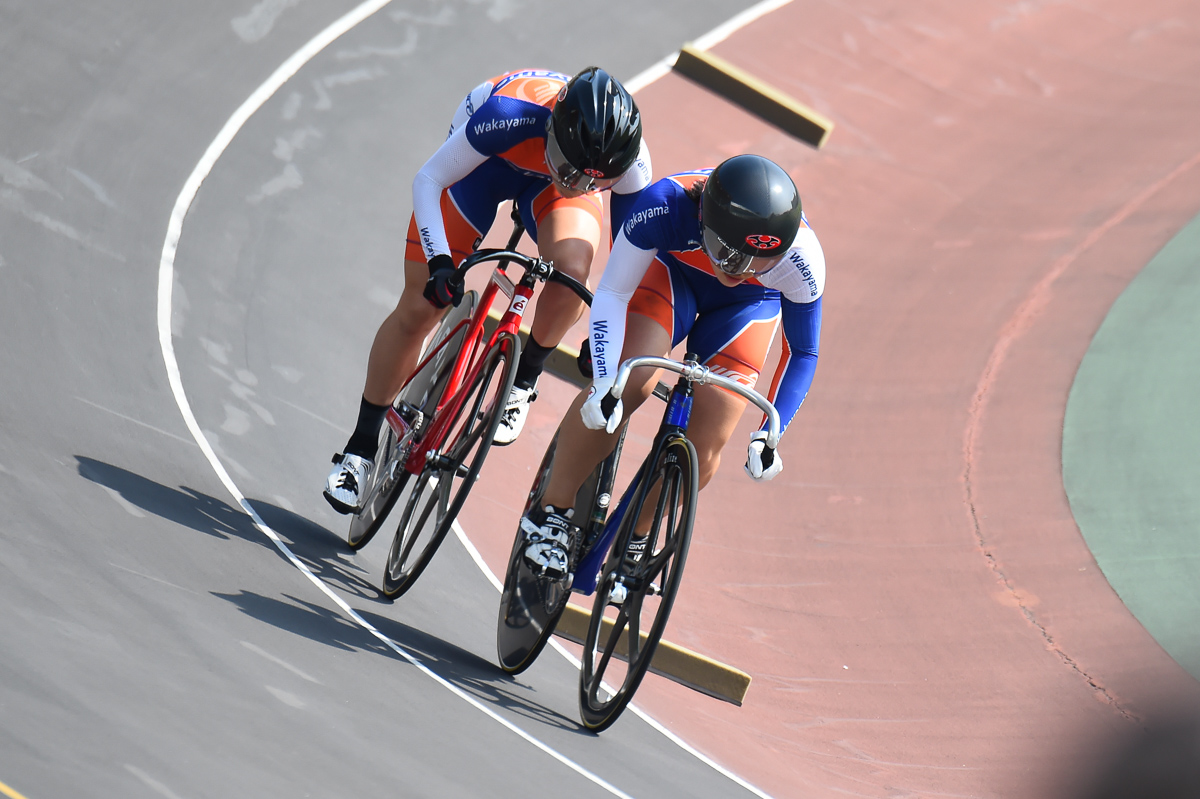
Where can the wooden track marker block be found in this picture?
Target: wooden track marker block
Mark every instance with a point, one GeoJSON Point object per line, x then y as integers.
{"type": "Point", "coordinates": [672, 661]}
{"type": "Point", "coordinates": [743, 89]}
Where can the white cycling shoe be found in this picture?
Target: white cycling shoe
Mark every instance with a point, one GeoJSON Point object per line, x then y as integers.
{"type": "Point", "coordinates": [347, 481]}
{"type": "Point", "coordinates": [547, 536]}
{"type": "Point", "coordinates": [513, 417]}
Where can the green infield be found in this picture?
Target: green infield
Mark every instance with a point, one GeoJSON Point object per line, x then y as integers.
{"type": "Point", "coordinates": [1131, 447]}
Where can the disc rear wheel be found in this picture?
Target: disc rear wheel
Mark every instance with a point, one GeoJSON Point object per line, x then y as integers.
{"type": "Point", "coordinates": [530, 604]}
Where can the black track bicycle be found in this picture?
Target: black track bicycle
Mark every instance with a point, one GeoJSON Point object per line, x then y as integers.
{"type": "Point", "coordinates": [634, 587]}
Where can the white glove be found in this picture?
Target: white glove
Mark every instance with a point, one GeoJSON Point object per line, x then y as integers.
{"type": "Point", "coordinates": [762, 462]}
{"type": "Point", "coordinates": [594, 417]}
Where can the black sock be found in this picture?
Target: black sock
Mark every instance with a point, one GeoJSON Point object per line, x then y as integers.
{"type": "Point", "coordinates": [365, 440]}
{"type": "Point", "coordinates": [533, 360]}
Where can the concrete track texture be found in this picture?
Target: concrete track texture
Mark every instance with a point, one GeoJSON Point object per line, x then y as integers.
{"type": "Point", "coordinates": [913, 596]}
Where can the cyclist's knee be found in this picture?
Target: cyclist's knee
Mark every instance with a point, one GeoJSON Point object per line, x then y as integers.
{"type": "Point", "coordinates": [635, 395]}
{"type": "Point", "coordinates": [707, 461]}
{"type": "Point", "coordinates": [414, 314]}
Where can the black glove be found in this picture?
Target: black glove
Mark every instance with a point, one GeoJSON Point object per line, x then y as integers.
{"type": "Point", "coordinates": [445, 285]}
{"type": "Point", "coordinates": [584, 360]}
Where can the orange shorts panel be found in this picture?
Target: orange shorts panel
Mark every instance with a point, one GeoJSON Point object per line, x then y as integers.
{"type": "Point", "coordinates": [653, 297]}
{"type": "Point", "coordinates": [548, 199]}
{"type": "Point", "coordinates": [744, 356]}
{"type": "Point", "coordinates": [461, 234]}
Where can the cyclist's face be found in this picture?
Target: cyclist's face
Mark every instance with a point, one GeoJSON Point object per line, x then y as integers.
{"type": "Point", "coordinates": [567, 192]}
{"type": "Point", "coordinates": [731, 280]}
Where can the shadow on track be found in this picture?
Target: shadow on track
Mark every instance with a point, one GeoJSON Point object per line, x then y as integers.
{"type": "Point", "coordinates": [311, 543]}
{"type": "Point", "coordinates": [478, 676]}
{"type": "Point", "coordinates": [319, 549]}
{"type": "Point", "coordinates": [181, 505]}
{"type": "Point", "coordinates": [308, 541]}
{"type": "Point", "coordinates": [321, 624]}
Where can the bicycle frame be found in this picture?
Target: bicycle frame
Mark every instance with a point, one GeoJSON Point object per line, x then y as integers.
{"type": "Point", "coordinates": [674, 424]}
{"type": "Point", "coordinates": [468, 361]}
{"type": "Point", "coordinates": [467, 364]}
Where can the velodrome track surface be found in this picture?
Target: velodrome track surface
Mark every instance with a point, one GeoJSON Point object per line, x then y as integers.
{"type": "Point", "coordinates": [912, 595]}
{"type": "Point", "coordinates": [155, 643]}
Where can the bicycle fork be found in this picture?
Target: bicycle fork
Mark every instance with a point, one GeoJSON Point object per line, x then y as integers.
{"type": "Point", "coordinates": [675, 421]}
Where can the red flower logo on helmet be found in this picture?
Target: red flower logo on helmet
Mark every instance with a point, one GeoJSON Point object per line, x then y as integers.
{"type": "Point", "coordinates": [593, 173]}
{"type": "Point", "coordinates": [762, 242]}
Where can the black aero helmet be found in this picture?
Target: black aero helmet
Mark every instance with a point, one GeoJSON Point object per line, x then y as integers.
{"type": "Point", "coordinates": [594, 132]}
{"type": "Point", "coordinates": [750, 212]}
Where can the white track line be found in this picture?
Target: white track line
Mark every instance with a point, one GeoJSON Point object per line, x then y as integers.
{"type": "Point", "coordinates": [675, 739]}
{"type": "Point", "coordinates": [638, 82]}
{"type": "Point", "coordinates": [166, 282]}
{"type": "Point", "coordinates": [713, 37]}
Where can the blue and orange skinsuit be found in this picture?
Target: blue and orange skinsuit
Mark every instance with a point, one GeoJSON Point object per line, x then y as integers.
{"type": "Point", "coordinates": [495, 152]}
{"type": "Point", "coordinates": [657, 269]}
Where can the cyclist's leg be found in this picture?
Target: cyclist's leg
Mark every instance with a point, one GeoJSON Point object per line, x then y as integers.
{"type": "Point", "coordinates": [732, 340]}
{"type": "Point", "coordinates": [567, 232]}
{"type": "Point", "coordinates": [580, 450]}
{"type": "Point", "coordinates": [397, 345]}
{"type": "Point", "coordinates": [660, 315]}
{"type": "Point", "coordinates": [715, 415]}
{"type": "Point", "coordinates": [394, 355]}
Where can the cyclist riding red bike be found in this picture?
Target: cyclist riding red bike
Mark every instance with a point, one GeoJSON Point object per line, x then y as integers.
{"type": "Point", "coordinates": [715, 256]}
{"type": "Point", "coordinates": [551, 143]}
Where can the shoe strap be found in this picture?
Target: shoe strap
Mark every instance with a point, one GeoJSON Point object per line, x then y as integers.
{"type": "Point", "coordinates": [558, 536]}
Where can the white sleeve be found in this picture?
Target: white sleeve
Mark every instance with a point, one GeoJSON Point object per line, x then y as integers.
{"type": "Point", "coordinates": [800, 277]}
{"type": "Point", "coordinates": [623, 273]}
{"type": "Point", "coordinates": [475, 98]}
{"type": "Point", "coordinates": [452, 162]}
{"type": "Point", "coordinates": [638, 176]}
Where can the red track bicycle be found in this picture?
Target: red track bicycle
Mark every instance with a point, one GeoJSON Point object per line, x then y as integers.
{"type": "Point", "coordinates": [441, 427]}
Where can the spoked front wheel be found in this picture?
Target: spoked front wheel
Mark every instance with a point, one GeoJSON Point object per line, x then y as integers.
{"type": "Point", "coordinates": [444, 483]}
{"type": "Point", "coordinates": [634, 596]}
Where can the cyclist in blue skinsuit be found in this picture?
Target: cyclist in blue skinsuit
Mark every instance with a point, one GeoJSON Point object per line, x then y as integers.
{"type": "Point", "coordinates": [715, 256]}
{"type": "Point", "coordinates": [550, 142]}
